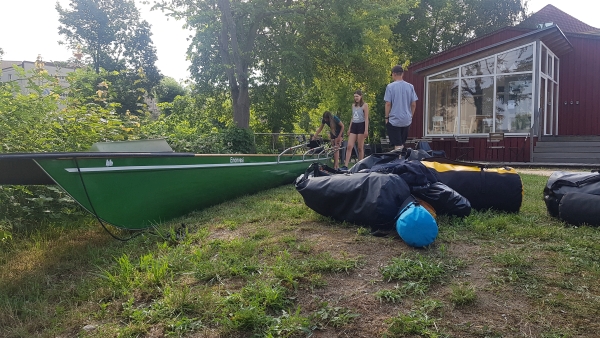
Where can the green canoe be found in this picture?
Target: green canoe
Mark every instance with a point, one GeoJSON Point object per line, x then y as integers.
{"type": "Point", "coordinates": [135, 190]}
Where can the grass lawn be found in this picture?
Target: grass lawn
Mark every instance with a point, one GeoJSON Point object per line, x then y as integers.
{"type": "Point", "coordinates": [268, 266]}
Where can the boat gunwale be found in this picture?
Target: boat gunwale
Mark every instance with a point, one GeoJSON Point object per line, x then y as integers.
{"type": "Point", "coordinates": [71, 155]}
{"type": "Point", "coordinates": [181, 166]}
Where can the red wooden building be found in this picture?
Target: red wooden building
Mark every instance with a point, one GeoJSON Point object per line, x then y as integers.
{"type": "Point", "coordinates": [524, 85]}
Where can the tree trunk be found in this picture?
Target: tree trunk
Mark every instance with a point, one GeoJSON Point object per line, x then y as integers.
{"type": "Point", "coordinates": [237, 72]}
{"type": "Point", "coordinates": [241, 108]}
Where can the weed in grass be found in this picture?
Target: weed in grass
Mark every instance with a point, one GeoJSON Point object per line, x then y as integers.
{"type": "Point", "coordinates": [155, 271]}
{"type": "Point", "coordinates": [316, 281]}
{"type": "Point", "coordinates": [304, 248]}
{"type": "Point", "coordinates": [222, 259]}
{"type": "Point", "coordinates": [361, 231]}
{"type": "Point", "coordinates": [288, 270]}
{"type": "Point", "coordinates": [515, 267]}
{"type": "Point", "coordinates": [462, 294]}
{"type": "Point", "coordinates": [328, 315]}
{"type": "Point", "coordinates": [179, 326]}
{"type": "Point", "coordinates": [261, 233]}
{"type": "Point", "coordinates": [326, 263]}
{"type": "Point", "coordinates": [231, 225]}
{"type": "Point", "coordinates": [511, 259]}
{"type": "Point", "coordinates": [391, 296]}
{"type": "Point", "coordinates": [289, 239]}
{"type": "Point", "coordinates": [124, 278]}
{"type": "Point", "coordinates": [289, 325]}
{"type": "Point", "coordinates": [416, 322]}
{"type": "Point", "coordinates": [420, 268]}
{"type": "Point", "coordinates": [249, 308]}
{"type": "Point", "coordinates": [401, 291]}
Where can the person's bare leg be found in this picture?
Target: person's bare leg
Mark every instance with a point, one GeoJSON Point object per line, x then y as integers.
{"type": "Point", "coordinates": [349, 147]}
{"type": "Point", "coordinates": [361, 146]}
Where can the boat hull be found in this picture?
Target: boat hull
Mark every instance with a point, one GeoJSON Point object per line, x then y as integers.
{"type": "Point", "coordinates": [138, 192]}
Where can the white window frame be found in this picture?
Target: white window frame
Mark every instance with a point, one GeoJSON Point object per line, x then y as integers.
{"type": "Point", "coordinates": [495, 75]}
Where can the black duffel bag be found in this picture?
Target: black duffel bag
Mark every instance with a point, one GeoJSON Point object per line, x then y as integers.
{"type": "Point", "coordinates": [579, 208]}
{"type": "Point", "coordinates": [443, 199]}
{"type": "Point", "coordinates": [370, 199]}
{"type": "Point", "coordinates": [562, 182]}
{"type": "Point", "coordinates": [498, 188]}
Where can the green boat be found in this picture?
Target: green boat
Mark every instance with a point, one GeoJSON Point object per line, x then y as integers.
{"type": "Point", "coordinates": [138, 184]}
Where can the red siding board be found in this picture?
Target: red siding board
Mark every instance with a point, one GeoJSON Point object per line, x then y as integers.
{"type": "Point", "coordinates": [579, 82]}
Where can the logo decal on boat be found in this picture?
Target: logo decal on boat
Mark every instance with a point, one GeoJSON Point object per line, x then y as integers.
{"type": "Point", "coordinates": [109, 163]}
{"type": "Point", "coordinates": [236, 160]}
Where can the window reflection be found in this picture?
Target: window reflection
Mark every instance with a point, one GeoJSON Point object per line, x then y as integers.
{"type": "Point", "coordinates": [443, 101]}
{"type": "Point", "coordinates": [477, 104]}
{"type": "Point", "coordinates": [446, 75]}
{"type": "Point", "coordinates": [482, 67]}
{"type": "Point", "coordinates": [516, 60]}
{"type": "Point", "coordinates": [514, 103]}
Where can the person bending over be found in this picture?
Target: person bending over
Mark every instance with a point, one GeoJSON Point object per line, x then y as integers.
{"type": "Point", "coordinates": [336, 129]}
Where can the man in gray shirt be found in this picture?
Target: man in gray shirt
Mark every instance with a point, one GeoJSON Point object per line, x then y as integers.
{"type": "Point", "coordinates": [400, 104]}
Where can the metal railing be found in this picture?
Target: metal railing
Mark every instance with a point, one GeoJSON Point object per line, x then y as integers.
{"type": "Point", "coordinates": [280, 140]}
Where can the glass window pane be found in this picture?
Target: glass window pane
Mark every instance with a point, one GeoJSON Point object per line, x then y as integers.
{"type": "Point", "coordinates": [516, 60]}
{"type": "Point", "coordinates": [482, 67]}
{"type": "Point", "coordinates": [544, 58]}
{"type": "Point", "coordinates": [550, 66]}
{"type": "Point", "coordinates": [446, 75]}
{"type": "Point", "coordinates": [514, 103]}
{"type": "Point", "coordinates": [442, 110]}
{"type": "Point", "coordinates": [477, 104]}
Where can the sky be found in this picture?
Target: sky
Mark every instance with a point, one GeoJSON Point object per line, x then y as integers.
{"type": "Point", "coordinates": [30, 27]}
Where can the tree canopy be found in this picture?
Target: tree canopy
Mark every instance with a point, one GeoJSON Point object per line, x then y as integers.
{"type": "Point", "coordinates": [116, 38]}
{"type": "Point", "coordinates": [436, 25]}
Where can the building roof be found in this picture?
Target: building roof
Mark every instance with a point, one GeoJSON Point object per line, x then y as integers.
{"type": "Point", "coordinates": [552, 37]}
{"type": "Point", "coordinates": [551, 14]}
{"type": "Point", "coordinates": [538, 21]}
{"type": "Point", "coordinates": [8, 63]}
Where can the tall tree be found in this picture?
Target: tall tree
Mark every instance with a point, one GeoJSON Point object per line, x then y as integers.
{"type": "Point", "coordinates": [436, 25]}
{"type": "Point", "coordinates": [115, 37]}
{"type": "Point", "coordinates": [273, 45]}
{"type": "Point", "coordinates": [168, 89]}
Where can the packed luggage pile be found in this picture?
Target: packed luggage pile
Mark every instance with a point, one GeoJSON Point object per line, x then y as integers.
{"type": "Point", "coordinates": [386, 191]}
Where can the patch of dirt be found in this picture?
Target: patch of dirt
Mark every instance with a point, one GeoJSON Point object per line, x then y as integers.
{"type": "Point", "coordinates": [499, 310]}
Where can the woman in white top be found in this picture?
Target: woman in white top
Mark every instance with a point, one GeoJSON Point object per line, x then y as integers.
{"type": "Point", "coordinates": [359, 127]}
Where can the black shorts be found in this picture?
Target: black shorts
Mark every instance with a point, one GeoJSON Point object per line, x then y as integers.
{"type": "Point", "coordinates": [357, 128]}
{"type": "Point", "coordinates": [397, 135]}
